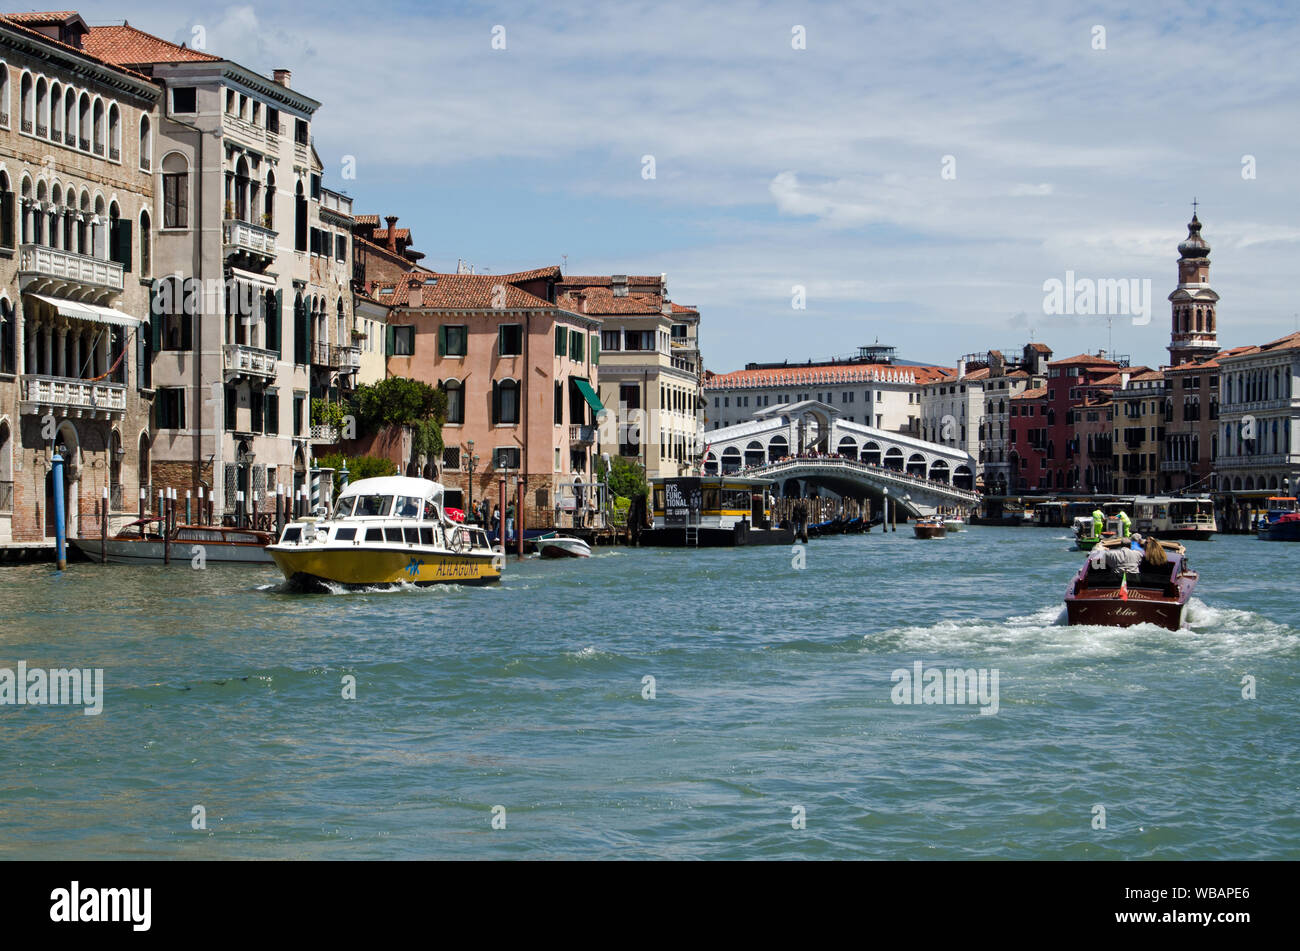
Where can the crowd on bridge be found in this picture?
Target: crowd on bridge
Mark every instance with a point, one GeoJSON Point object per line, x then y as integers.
{"type": "Point", "coordinates": [815, 456]}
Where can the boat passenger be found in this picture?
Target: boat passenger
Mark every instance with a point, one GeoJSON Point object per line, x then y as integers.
{"type": "Point", "coordinates": [1122, 558]}
{"type": "Point", "coordinates": [1154, 555]}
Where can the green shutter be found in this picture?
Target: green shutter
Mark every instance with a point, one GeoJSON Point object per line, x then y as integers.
{"type": "Point", "coordinates": [390, 340]}
{"type": "Point", "coordinates": [277, 316]}
{"type": "Point", "coordinates": [501, 337]}
{"type": "Point", "coordinates": [577, 339]}
{"type": "Point", "coordinates": [561, 341]}
{"type": "Point", "coordinates": [155, 318]}
{"type": "Point", "coordinates": [595, 349]}
{"type": "Point", "coordinates": [442, 341]}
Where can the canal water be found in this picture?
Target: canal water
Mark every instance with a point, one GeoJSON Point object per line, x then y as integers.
{"type": "Point", "coordinates": [769, 729]}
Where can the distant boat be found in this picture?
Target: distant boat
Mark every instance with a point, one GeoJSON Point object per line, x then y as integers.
{"type": "Point", "coordinates": [1282, 523]}
{"type": "Point", "coordinates": [561, 546]}
{"type": "Point", "coordinates": [954, 523]}
{"type": "Point", "coordinates": [134, 545]}
{"type": "Point", "coordinates": [930, 528]}
{"type": "Point", "coordinates": [1108, 596]}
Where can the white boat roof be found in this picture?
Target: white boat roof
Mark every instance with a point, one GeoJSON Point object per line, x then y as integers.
{"type": "Point", "coordinates": [395, 485]}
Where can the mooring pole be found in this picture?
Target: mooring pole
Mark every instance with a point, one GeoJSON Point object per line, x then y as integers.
{"type": "Point", "coordinates": [501, 527]}
{"type": "Point", "coordinates": [164, 506]}
{"type": "Point", "coordinates": [279, 509]}
{"type": "Point", "coordinates": [519, 517]}
{"type": "Point", "coordinates": [103, 528]}
{"type": "Point", "coordinates": [60, 528]}
{"type": "Point", "coordinates": [143, 505]}
{"type": "Point", "coordinates": [189, 515]}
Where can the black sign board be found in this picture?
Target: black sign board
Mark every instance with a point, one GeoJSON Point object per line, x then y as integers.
{"type": "Point", "coordinates": [682, 501]}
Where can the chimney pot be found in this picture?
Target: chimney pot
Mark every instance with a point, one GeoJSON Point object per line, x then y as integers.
{"type": "Point", "coordinates": [392, 232]}
{"type": "Point", "coordinates": [282, 76]}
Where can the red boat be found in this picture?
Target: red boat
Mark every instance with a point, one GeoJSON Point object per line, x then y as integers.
{"type": "Point", "coordinates": [1151, 595]}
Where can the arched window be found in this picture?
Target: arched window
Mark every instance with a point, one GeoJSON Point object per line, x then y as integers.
{"type": "Point", "coordinates": [26, 103]}
{"type": "Point", "coordinates": [98, 136]}
{"type": "Point", "coordinates": [505, 402]}
{"type": "Point", "coordinates": [7, 211]}
{"type": "Point", "coordinates": [4, 94]}
{"type": "Point", "coordinates": [268, 211]}
{"type": "Point", "coordinates": [83, 122]}
{"type": "Point", "coordinates": [114, 133]}
{"type": "Point", "coordinates": [455, 400]}
{"type": "Point", "coordinates": [176, 191]}
{"type": "Point", "coordinates": [70, 118]}
{"type": "Point", "coordinates": [146, 144]}
{"type": "Point", "coordinates": [146, 246]}
{"type": "Point", "coordinates": [42, 108]}
{"type": "Point", "coordinates": [8, 342]}
{"type": "Point", "coordinates": [56, 113]}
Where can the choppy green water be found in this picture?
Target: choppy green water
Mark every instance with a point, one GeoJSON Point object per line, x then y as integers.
{"type": "Point", "coordinates": [772, 691]}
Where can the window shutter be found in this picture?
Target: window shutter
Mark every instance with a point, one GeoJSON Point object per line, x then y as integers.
{"type": "Point", "coordinates": [578, 339]}
{"type": "Point", "coordinates": [124, 244]}
{"type": "Point", "coordinates": [277, 316]}
{"type": "Point", "coordinates": [595, 349]}
{"type": "Point", "coordinates": [187, 332]}
{"type": "Point", "coordinates": [390, 340]}
{"type": "Point", "coordinates": [300, 223]}
{"type": "Point", "coordinates": [561, 341]}
{"type": "Point", "coordinates": [496, 402]}
{"type": "Point", "coordinates": [155, 318]}
{"type": "Point", "coordinates": [7, 219]}
{"type": "Point", "coordinates": [442, 341]}
{"type": "Point", "coordinates": [142, 360]}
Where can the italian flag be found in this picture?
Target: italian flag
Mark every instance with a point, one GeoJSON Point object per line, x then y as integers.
{"type": "Point", "coordinates": [1123, 587]}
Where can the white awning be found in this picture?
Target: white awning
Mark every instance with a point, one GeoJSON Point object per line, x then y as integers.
{"type": "Point", "coordinates": [80, 310]}
{"type": "Point", "coordinates": [248, 277]}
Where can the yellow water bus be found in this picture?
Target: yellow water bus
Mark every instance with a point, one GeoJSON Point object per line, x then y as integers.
{"type": "Point", "coordinates": [385, 532]}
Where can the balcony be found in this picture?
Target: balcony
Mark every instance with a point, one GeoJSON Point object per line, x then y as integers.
{"type": "Point", "coordinates": [243, 236]}
{"type": "Point", "coordinates": [240, 360]}
{"type": "Point", "coordinates": [346, 358]}
{"type": "Point", "coordinates": [67, 266]}
{"type": "Point", "coordinates": [325, 435]}
{"type": "Point", "coordinates": [70, 139]}
{"type": "Point", "coordinates": [80, 397]}
{"type": "Point", "coordinates": [1175, 465]}
{"type": "Point", "coordinates": [582, 435]}
{"type": "Point", "coordinates": [1254, 461]}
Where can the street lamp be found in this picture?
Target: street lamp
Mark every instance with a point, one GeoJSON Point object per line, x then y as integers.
{"type": "Point", "coordinates": [884, 525]}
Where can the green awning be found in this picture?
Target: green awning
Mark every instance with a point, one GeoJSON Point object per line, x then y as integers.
{"type": "Point", "coordinates": [589, 393]}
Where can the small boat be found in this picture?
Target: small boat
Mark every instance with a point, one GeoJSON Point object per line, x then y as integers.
{"type": "Point", "coordinates": [562, 546]}
{"type": "Point", "coordinates": [135, 544]}
{"type": "Point", "coordinates": [1151, 595]}
{"type": "Point", "coordinates": [1085, 537]}
{"type": "Point", "coordinates": [930, 528]}
{"type": "Point", "coordinates": [954, 523]}
{"type": "Point", "coordinates": [385, 532]}
{"type": "Point", "coordinates": [1282, 523]}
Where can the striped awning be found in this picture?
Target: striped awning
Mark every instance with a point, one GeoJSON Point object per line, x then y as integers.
{"type": "Point", "coordinates": [79, 310]}
{"type": "Point", "coordinates": [249, 277]}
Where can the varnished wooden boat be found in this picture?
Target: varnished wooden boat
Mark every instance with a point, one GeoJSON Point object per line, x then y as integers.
{"type": "Point", "coordinates": [1113, 598]}
{"type": "Point", "coordinates": [930, 528]}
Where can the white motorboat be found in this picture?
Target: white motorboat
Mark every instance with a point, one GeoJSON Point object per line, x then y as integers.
{"type": "Point", "coordinates": [561, 546]}
{"type": "Point", "coordinates": [954, 524]}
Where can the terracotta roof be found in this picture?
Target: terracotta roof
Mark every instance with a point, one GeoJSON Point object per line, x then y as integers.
{"type": "Point", "coordinates": [1086, 359]}
{"type": "Point", "coordinates": [1145, 376]}
{"type": "Point", "coordinates": [381, 234]}
{"type": "Point", "coordinates": [15, 21]}
{"type": "Point", "coordinates": [1035, 394]}
{"type": "Point", "coordinates": [601, 300]}
{"type": "Point", "coordinates": [52, 16]}
{"type": "Point", "coordinates": [598, 280]}
{"type": "Point", "coordinates": [366, 219]}
{"type": "Point", "coordinates": [1040, 347]}
{"type": "Point", "coordinates": [126, 46]}
{"type": "Point", "coordinates": [824, 375]}
{"type": "Point", "coordinates": [459, 292]}
{"type": "Point", "coordinates": [683, 309]}
{"type": "Point", "coordinates": [551, 271]}
{"type": "Point", "coordinates": [1290, 342]}
{"type": "Point", "coordinates": [1213, 362]}
{"type": "Point", "coordinates": [394, 256]}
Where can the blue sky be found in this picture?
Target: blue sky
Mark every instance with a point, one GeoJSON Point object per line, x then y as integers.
{"type": "Point", "coordinates": [820, 167]}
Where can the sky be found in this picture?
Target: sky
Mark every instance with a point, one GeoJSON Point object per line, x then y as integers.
{"type": "Point", "coordinates": [919, 170]}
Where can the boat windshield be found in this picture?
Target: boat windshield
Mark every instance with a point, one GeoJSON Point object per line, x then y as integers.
{"type": "Point", "coordinates": [408, 506]}
{"type": "Point", "coordinates": [344, 507]}
{"type": "Point", "coordinates": [370, 506]}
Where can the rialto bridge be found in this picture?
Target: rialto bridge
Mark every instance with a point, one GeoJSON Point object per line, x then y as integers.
{"type": "Point", "coordinates": [806, 444]}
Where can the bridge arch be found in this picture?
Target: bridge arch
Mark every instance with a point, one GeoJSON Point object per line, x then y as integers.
{"type": "Point", "coordinates": [731, 459]}
{"type": "Point", "coordinates": [754, 454]}
{"type": "Point", "coordinates": [871, 453]}
{"type": "Point", "coordinates": [916, 465]}
{"type": "Point", "coordinates": [778, 447]}
{"type": "Point", "coordinates": [939, 471]}
{"type": "Point", "coordinates": [894, 458]}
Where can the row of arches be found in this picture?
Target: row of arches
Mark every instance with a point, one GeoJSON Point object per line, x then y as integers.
{"type": "Point", "coordinates": [68, 217]}
{"type": "Point", "coordinates": [734, 459]}
{"type": "Point", "coordinates": [1253, 386]}
{"type": "Point", "coordinates": [1189, 319]}
{"type": "Point", "coordinates": [59, 112]}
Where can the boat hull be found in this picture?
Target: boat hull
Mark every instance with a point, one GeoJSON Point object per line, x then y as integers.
{"type": "Point", "coordinates": [127, 551]}
{"type": "Point", "coordinates": [563, 548]}
{"type": "Point", "coordinates": [1280, 532]}
{"type": "Point", "coordinates": [930, 531]}
{"type": "Point", "coordinates": [1112, 611]}
{"type": "Point", "coordinates": [360, 567]}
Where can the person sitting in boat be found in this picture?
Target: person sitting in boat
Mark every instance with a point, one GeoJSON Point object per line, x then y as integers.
{"type": "Point", "coordinates": [1120, 558]}
{"type": "Point", "coordinates": [1153, 554]}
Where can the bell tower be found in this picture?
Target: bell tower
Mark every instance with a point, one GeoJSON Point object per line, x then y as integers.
{"type": "Point", "coordinates": [1193, 334]}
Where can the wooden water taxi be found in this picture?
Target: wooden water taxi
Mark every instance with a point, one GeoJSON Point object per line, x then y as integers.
{"type": "Point", "coordinates": [930, 528]}
{"type": "Point", "coordinates": [1105, 594]}
{"type": "Point", "coordinates": [135, 544]}
{"type": "Point", "coordinates": [385, 532]}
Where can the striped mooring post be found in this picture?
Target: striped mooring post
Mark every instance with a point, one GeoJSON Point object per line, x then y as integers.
{"type": "Point", "coordinates": [343, 476]}
{"type": "Point", "coordinates": [315, 489]}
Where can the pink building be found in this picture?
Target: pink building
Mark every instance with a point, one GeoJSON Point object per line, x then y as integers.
{"type": "Point", "coordinates": [519, 372]}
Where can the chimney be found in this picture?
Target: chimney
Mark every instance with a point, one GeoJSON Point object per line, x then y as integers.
{"type": "Point", "coordinates": [961, 368]}
{"type": "Point", "coordinates": [618, 282]}
{"type": "Point", "coordinates": [282, 76]}
{"type": "Point", "coordinates": [392, 232]}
